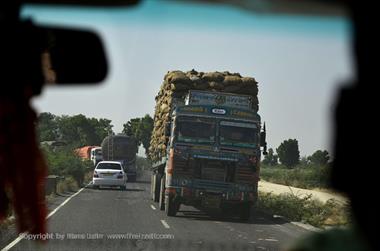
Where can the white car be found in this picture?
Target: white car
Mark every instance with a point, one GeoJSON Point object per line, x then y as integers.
{"type": "Point", "coordinates": [109, 173]}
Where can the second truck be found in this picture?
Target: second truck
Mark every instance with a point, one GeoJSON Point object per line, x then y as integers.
{"type": "Point", "coordinates": [121, 148]}
{"type": "Point", "coordinates": [206, 142]}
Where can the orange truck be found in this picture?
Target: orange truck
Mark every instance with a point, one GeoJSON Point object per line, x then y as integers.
{"type": "Point", "coordinates": [93, 153]}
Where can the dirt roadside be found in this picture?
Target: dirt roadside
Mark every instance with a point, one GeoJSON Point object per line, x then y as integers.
{"type": "Point", "coordinates": [277, 189]}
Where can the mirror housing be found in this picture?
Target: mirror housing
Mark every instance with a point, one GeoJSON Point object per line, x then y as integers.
{"type": "Point", "coordinates": [263, 141]}
{"type": "Point", "coordinates": [72, 56]}
{"type": "Point", "coordinates": [262, 138]}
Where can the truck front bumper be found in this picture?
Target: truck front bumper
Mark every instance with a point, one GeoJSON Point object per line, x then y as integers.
{"type": "Point", "coordinates": [195, 195]}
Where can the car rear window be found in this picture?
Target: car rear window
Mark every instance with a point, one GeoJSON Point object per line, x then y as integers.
{"type": "Point", "coordinates": [113, 166]}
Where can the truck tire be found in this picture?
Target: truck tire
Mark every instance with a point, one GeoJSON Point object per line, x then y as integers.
{"type": "Point", "coordinates": [245, 211]}
{"type": "Point", "coordinates": [161, 201]}
{"type": "Point", "coordinates": [156, 188]}
{"type": "Point", "coordinates": [170, 206]}
{"type": "Point", "coordinates": [152, 187]}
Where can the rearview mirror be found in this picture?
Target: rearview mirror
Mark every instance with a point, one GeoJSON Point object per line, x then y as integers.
{"type": "Point", "coordinates": [263, 142]}
{"type": "Point", "coordinates": [72, 56]}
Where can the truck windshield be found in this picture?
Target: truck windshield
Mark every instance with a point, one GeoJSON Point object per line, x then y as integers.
{"type": "Point", "coordinates": [196, 130]}
{"type": "Point", "coordinates": [238, 134]}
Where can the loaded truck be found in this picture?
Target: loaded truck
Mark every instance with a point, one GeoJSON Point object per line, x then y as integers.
{"type": "Point", "coordinates": [121, 148]}
{"type": "Point", "coordinates": [92, 153]}
{"type": "Point", "coordinates": [96, 155]}
{"type": "Point", "coordinates": [206, 143]}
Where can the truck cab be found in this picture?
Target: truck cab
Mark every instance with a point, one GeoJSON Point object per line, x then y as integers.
{"type": "Point", "coordinates": [213, 156]}
{"type": "Point", "coordinates": [96, 155]}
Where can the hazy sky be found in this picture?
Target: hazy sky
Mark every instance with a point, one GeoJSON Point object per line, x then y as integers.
{"type": "Point", "coordinates": [298, 62]}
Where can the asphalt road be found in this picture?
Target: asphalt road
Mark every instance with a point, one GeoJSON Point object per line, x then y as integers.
{"type": "Point", "coordinates": [110, 219]}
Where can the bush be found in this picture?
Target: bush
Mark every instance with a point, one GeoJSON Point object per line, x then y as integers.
{"type": "Point", "coordinates": [63, 162]}
{"type": "Point", "coordinates": [305, 209]}
{"type": "Point", "coordinates": [308, 177]}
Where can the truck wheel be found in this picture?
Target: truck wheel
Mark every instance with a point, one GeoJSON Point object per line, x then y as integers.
{"type": "Point", "coordinates": [155, 188]}
{"type": "Point", "coordinates": [161, 202]}
{"type": "Point", "coordinates": [170, 206]}
{"type": "Point", "coordinates": [152, 187]}
{"type": "Point", "coordinates": [245, 211]}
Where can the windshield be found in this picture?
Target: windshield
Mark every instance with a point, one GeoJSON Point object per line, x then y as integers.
{"type": "Point", "coordinates": [238, 134]}
{"type": "Point", "coordinates": [112, 166]}
{"type": "Point", "coordinates": [291, 66]}
{"type": "Point", "coordinates": [195, 130]}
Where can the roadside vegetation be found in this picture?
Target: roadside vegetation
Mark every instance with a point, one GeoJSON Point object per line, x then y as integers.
{"type": "Point", "coordinates": [60, 135]}
{"type": "Point", "coordinates": [64, 163]}
{"type": "Point", "coordinates": [306, 210]}
{"type": "Point", "coordinates": [287, 168]}
{"type": "Point", "coordinates": [301, 176]}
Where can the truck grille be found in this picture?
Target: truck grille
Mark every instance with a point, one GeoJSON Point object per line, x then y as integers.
{"type": "Point", "coordinates": [181, 168]}
{"type": "Point", "coordinates": [244, 175]}
{"type": "Point", "coordinates": [214, 170]}
{"type": "Point", "coordinates": [211, 185]}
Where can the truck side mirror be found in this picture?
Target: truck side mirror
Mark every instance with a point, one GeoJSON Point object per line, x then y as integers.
{"type": "Point", "coordinates": [262, 138]}
{"type": "Point", "coordinates": [263, 142]}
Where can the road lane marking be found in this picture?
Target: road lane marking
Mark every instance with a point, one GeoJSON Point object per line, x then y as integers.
{"type": "Point", "coordinates": [166, 225]}
{"type": "Point", "coordinates": [271, 239]}
{"type": "Point", "coordinates": [21, 236]}
{"type": "Point", "coordinates": [152, 207]}
{"type": "Point", "coordinates": [63, 203]}
{"type": "Point", "coordinates": [14, 242]}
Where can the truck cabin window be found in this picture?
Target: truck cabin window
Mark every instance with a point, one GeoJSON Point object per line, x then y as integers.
{"type": "Point", "coordinates": [238, 134]}
{"type": "Point", "coordinates": [196, 131]}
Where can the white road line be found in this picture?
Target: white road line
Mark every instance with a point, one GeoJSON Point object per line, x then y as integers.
{"type": "Point", "coordinates": [271, 239]}
{"type": "Point", "coordinates": [21, 236]}
{"type": "Point", "coordinates": [14, 242]}
{"type": "Point", "coordinates": [152, 207]}
{"type": "Point", "coordinates": [166, 225]}
{"type": "Point", "coordinates": [63, 203]}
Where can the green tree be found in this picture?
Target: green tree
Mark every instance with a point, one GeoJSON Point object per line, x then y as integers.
{"type": "Point", "coordinates": [141, 129]}
{"type": "Point", "coordinates": [289, 153]}
{"type": "Point", "coordinates": [79, 130]}
{"type": "Point", "coordinates": [47, 127]}
{"type": "Point", "coordinates": [304, 161]}
{"type": "Point", "coordinates": [131, 128]}
{"type": "Point", "coordinates": [320, 158]}
{"type": "Point", "coordinates": [270, 159]}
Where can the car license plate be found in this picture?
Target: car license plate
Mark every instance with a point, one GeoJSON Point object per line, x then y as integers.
{"type": "Point", "coordinates": [211, 201]}
{"type": "Point", "coordinates": [107, 174]}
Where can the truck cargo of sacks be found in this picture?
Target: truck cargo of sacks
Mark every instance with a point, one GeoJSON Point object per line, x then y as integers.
{"type": "Point", "coordinates": [119, 147]}
{"type": "Point", "coordinates": [176, 87]}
